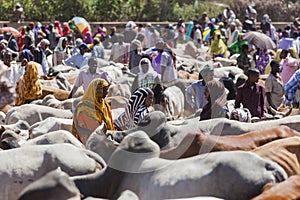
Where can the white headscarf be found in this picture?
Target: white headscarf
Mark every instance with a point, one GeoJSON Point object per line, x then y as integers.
{"type": "Point", "coordinates": [142, 75]}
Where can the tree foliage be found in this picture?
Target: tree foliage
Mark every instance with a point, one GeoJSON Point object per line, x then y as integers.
{"type": "Point", "coordinates": [101, 10]}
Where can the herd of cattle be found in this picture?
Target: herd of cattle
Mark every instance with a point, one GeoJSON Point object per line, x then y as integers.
{"type": "Point", "coordinates": [159, 159]}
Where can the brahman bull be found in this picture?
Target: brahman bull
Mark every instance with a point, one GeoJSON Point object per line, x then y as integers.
{"type": "Point", "coordinates": [20, 167]}
{"type": "Point", "coordinates": [32, 113]}
{"type": "Point", "coordinates": [48, 125]}
{"type": "Point", "coordinates": [136, 166]}
{"type": "Point", "coordinates": [198, 143]}
{"type": "Point", "coordinates": [54, 185]}
{"type": "Point", "coordinates": [52, 102]}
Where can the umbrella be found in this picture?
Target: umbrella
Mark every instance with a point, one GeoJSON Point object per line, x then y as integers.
{"type": "Point", "coordinates": [259, 40]}
{"type": "Point", "coordinates": [82, 25]}
{"type": "Point", "coordinates": [12, 30]}
{"type": "Point", "coordinates": [206, 35]}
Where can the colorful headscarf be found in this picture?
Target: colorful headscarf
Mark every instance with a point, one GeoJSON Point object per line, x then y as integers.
{"type": "Point", "coordinates": [93, 107]}
{"type": "Point", "coordinates": [29, 87]}
{"type": "Point", "coordinates": [236, 47]}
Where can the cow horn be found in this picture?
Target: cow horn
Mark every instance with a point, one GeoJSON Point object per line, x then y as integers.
{"type": "Point", "coordinates": [287, 113]}
{"type": "Point", "coordinates": [274, 112]}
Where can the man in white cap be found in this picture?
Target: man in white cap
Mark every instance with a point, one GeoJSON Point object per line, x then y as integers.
{"type": "Point", "coordinates": [232, 33]}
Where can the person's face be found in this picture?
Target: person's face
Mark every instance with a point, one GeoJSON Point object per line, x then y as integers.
{"type": "Point", "coordinates": [82, 51]}
{"type": "Point", "coordinates": [7, 59]}
{"type": "Point", "coordinates": [149, 100]}
{"type": "Point", "coordinates": [276, 68]}
{"type": "Point", "coordinates": [145, 67]}
{"type": "Point", "coordinates": [253, 78]}
{"type": "Point", "coordinates": [93, 66]}
{"type": "Point", "coordinates": [64, 43]}
{"type": "Point", "coordinates": [208, 76]}
{"type": "Point", "coordinates": [102, 92]}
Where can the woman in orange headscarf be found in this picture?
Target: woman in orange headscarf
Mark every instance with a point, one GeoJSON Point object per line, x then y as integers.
{"type": "Point", "coordinates": [92, 110]}
{"type": "Point", "coordinates": [28, 87]}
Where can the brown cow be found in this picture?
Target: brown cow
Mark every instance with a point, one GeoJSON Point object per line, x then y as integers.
{"type": "Point", "coordinates": [197, 143]}
{"type": "Point", "coordinates": [286, 190]}
{"type": "Point", "coordinates": [285, 152]}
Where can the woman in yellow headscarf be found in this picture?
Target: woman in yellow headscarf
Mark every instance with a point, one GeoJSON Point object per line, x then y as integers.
{"type": "Point", "coordinates": [217, 47]}
{"type": "Point", "coordinates": [28, 87]}
{"type": "Point", "coordinates": [92, 110]}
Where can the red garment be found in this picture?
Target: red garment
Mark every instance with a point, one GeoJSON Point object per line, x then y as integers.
{"type": "Point", "coordinates": [66, 31]}
{"type": "Point", "coordinates": [58, 28]}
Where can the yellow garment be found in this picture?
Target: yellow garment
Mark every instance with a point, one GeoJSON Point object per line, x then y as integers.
{"type": "Point", "coordinates": [277, 57]}
{"type": "Point", "coordinates": [93, 107]}
{"type": "Point", "coordinates": [29, 87]}
{"type": "Point", "coordinates": [217, 46]}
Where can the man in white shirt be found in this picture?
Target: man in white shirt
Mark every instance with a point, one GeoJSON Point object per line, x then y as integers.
{"type": "Point", "coordinates": [89, 73]}
{"type": "Point", "coordinates": [197, 36]}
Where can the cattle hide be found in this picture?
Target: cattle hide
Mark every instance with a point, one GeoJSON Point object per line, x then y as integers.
{"type": "Point", "coordinates": [135, 166]}
{"type": "Point", "coordinates": [22, 166]}
{"type": "Point", "coordinates": [54, 185]}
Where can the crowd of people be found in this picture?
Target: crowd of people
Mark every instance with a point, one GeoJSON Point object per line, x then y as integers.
{"type": "Point", "coordinates": [148, 52]}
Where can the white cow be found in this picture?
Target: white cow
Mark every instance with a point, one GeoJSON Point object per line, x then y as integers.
{"type": "Point", "coordinates": [136, 166]}
{"type": "Point", "coordinates": [48, 125]}
{"type": "Point", "coordinates": [52, 102]}
{"type": "Point", "coordinates": [54, 185]}
{"type": "Point", "coordinates": [55, 137]}
{"type": "Point", "coordinates": [32, 113]}
{"type": "Point", "coordinates": [22, 166]}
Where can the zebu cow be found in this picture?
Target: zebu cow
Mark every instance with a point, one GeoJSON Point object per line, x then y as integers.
{"type": "Point", "coordinates": [32, 113]}
{"type": "Point", "coordinates": [285, 152]}
{"type": "Point", "coordinates": [122, 90]}
{"type": "Point", "coordinates": [2, 118]}
{"type": "Point", "coordinates": [20, 167]}
{"type": "Point", "coordinates": [169, 100]}
{"type": "Point", "coordinates": [48, 125]}
{"type": "Point", "coordinates": [169, 134]}
{"type": "Point", "coordinates": [52, 102]}
{"type": "Point", "coordinates": [286, 190]}
{"type": "Point", "coordinates": [198, 143]}
{"type": "Point", "coordinates": [55, 137]}
{"type": "Point", "coordinates": [135, 166]}
{"type": "Point", "coordinates": [54, 185]}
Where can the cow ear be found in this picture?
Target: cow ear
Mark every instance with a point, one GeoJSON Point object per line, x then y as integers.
{"type": "Point", "coordinates": [17, 131]}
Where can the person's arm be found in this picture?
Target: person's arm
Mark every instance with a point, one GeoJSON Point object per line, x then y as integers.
{"type": "Point", "coordinates": [269, 99]}
{"type": "Point", "coordinates": [70, 61]}
{"type": "Point", "coordinates": [238, 99]}
{"type": "Point", "coordinates": [269, 89]}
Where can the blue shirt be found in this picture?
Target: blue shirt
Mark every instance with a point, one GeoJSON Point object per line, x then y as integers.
{"type": "Point", "coordinates": [98, 51]}
{"type": "Point", "coordinates": [77, 60]}
{"type": "Point", "coordinates": [194, 95]}
{"type": "Point", "coordinates": [291, 86]}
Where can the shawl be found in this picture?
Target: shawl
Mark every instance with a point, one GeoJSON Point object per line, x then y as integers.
{"type": "Point", "coordinates": [216, 106]}
{"type": "Point", "coordinates": [29, 87]}
{"type": "Point", "coordinates": [135, 109]}
{"type": "Point", "coordinates": [93, 107]}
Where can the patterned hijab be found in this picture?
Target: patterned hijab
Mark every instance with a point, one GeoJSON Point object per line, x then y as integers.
{"type": "Point", "coordinates": [29, 87]}
{"type": "Point", "coordinates": [93, 106]}
{"type": "Point", "coordinates": [135, 109]}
